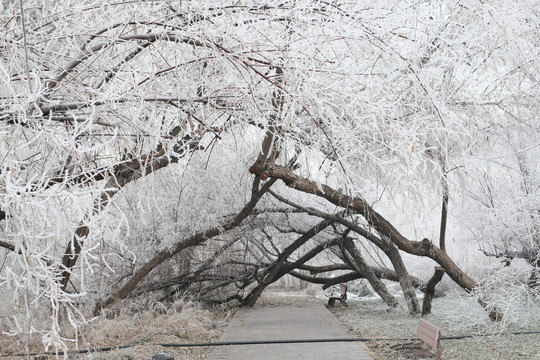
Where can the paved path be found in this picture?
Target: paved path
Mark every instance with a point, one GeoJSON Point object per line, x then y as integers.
{"type": "Point", "coordinates": [287, 323]}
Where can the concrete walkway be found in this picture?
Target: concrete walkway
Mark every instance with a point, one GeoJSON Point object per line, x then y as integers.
{"type": "Point", "coordinates": [287, 323]}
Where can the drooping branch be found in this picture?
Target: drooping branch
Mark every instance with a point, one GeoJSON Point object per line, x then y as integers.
{"type": "Point", "coordinates": [11, 247]}
{"type": "Point", "coordinates": [88, 52]}
{"type": "Point", "coordinates": [121, 175]}
{"type": "Point", "coordinates": [383, 227]}
{"type": "Point", "coordinates": [183, 281]}
{"type": "Point", "coordinates": [327, 281]}
{"type": "Point", "coordinates": [277, 269]}
{"type": "Point", "coordinates": [353, 257]}
{"type": "Point", "coordinates": [317, 249]}
{"type": "Point", "coordinates": [315, 270]}
{"type": "Point", "coordinates": [82, 105]}
{"type": "Point", "coordinates": [184, 244]}
{"type": "Point", "coordinates": [382, 242]}
{"type": "Point", "coordinates": [118, 176]}
{"type": "Point", "coordinates": [381, 273]}
{"type": "Point", "coordinates": [8, 246]}
{"type": "Point", "coordinates": [530, 255]}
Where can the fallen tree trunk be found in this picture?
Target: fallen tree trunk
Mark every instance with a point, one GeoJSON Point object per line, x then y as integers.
{"type": "Point", "coordinates": [384, 227]}
{"type": "Point", "coordinates": [381, 242]}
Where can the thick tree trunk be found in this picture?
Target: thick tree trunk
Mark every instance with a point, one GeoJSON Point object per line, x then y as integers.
{"type": "Point", "coordinates": [403, 276]}
{"type": "Point", "coordinates": [430, 290]}
{"type": "Point", "coordinates": [356, 261]}
{"type": "Point", "coordinates": [383, 226]}
{"type": "Point", "coordinates": [382, 243]}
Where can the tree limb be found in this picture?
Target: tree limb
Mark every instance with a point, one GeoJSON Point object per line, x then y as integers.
{"type": "Point", "coordinates": [383, 226]}
{"type": "Point", "coordinates": [188, 242]}
{"type": "Point", "coordinates": [381, 242]}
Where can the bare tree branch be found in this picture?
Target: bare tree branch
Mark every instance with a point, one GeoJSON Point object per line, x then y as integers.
{"type": "Point", "coordinates": [384, 227]}
{"type": "Point", "coordinates": [191, 241]}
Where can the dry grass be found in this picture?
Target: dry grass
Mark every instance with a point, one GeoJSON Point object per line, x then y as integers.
{"type": "Point", "coordinates": [176, 324]}
{"type": "Point", "coordinates": [364, 317]}
{"type": "Point", "coordinates": [370, 318]}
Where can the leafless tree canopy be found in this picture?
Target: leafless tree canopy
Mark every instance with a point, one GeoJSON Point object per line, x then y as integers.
{"type": "Point", "coordinates": [210, 148]}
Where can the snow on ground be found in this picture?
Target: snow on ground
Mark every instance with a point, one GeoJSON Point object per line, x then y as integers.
{"type": "Point", "coordinates": [137, 333]}
{"type": "Point", "coordinates": [366, 317]}
{"type": "Point", "coordinates": [456, 314]}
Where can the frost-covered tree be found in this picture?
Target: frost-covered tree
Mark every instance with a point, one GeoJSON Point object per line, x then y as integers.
{"type": "Point", "coordinates": [128, 128]}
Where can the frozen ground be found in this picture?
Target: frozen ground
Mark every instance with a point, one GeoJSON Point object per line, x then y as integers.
{"type": "Point", "coordinates": [370, 318]}
{"type": "Point", "coordinates": [455, 314]}
{"type": "Point", "coordinates": [180, 323]}
{"type": "Point", "coordinates": [366, 317]}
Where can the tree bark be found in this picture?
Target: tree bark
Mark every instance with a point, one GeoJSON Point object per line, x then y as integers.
{"type": "Point", "coordinates": [276, 270]}
{"type": "Point", "coordinates": [430, 290]}
{"type": "Point", "coordinates": [381, 242]}
{"type": "Point", "coordinates": [191, 241]}
{"type": "Point", "coordinates": [356, 261]}
{"type": "Point", "coordinates": [383, 226]}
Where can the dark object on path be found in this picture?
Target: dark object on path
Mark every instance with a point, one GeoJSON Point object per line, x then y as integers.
{"type": "Point", "coordinates": [341, 297]}
{"type": "Point", "coordinates": [429, 335]}
{"type": "Point", "coordinates": [161, 356]}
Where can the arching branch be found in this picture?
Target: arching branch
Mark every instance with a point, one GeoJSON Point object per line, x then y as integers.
{"type": "Point", "coordinates": [384, 227]}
